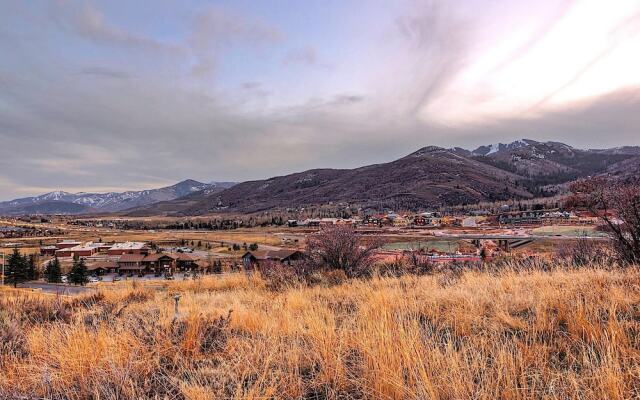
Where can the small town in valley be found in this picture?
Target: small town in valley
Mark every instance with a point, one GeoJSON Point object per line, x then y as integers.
{"type": "Point", "coordinates": [320, 200]}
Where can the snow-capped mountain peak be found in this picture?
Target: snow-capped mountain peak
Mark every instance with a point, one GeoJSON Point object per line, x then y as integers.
{"type": "Point", "coordinates": [117, 201]}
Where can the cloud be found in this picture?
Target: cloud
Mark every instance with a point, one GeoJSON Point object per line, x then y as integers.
{"type": "Point", "coordinates": [215, 28]}
{"type": "Point", "coordinates": [438, 40]}
{"type": "Point", "coordinates": [90, 23]}
{"type": "Point", "coordinates": [72, 117]}
{"type": "Point", "coordinates": [303, 55]}
{"type": "Point", "coordinates": [104, 72]}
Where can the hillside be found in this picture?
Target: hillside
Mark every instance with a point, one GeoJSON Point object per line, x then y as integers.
{"type": "Point", "coordinates": [430, 177]}
{"type": "Point", "coordinates": [49, 207]}
{"type": "Point", "coordinates": [427, 178]}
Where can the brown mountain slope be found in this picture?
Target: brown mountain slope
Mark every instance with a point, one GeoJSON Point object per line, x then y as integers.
{"type": "Point", "coordinates": [429, 177]}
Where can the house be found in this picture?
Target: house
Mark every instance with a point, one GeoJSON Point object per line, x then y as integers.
{"type": "Point", "coordinates": [401, 221]}
{"type": "Point", "coordinates": [159, 263]}
{"type": "Point", "coordinates": [103, 246]}
{"type": "Point", "coordinates": [469, 222]}
{"type": "Point", "coordinates": [419, 220]}
{"type": "Point", "coordinates": [65, 244]}
{"type": "Point", "coordinates": [251, 259]}
{"type": "Point", "coordinates": [186, 262]}
{"type": "Point", "coordinates": [119, 249]}
{"type": "Point", "coordinates": [521, 217]}
{"type": "Point", "coordinates": [130, 263]}
{"type": "Point", "coordinates": [102, 267]}
{"type": "Point", "coordinates": [77, 251]}
{"type": "Point", "coordinates": [48, 250]}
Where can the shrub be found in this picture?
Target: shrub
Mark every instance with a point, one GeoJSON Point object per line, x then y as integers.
{"type": "Point", "coordinates": [13, 342]}
{"type": "Point", "coordinates": [279, 276]}
{"type": "Point", "coordinates": [342, 248]}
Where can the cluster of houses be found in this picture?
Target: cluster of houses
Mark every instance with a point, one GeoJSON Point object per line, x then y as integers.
{"type": "Point", "coordinates": [435, 219]}
{"type": "Point", "coordinates": [137, 258]}
{"type": "Point", "coordinates": [123, 258]}
{"type": "Point", "coordinates": [13, 231]}
{"type": "Point", "coordinates": [144, 264]}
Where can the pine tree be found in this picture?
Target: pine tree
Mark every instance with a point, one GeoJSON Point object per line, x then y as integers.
{"type": "Point", "coordinates": [52, 273]}
{"type": "Point", "coordinates": [31, 271]}
{"type": "Point", "coordinates": [15, 270]}
{"type": "Point", "coordinates": [78, 274]}
{"type": "Point", "coordinates": [217, 267]}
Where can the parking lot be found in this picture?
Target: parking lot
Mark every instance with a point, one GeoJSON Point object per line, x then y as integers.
{"type": "Point", "coordinates": [149, 277]}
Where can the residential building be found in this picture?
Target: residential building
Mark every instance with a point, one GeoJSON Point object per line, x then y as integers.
{"type": "Point", "coordinates": [118, 249]}
{"type": "Point", "coordinates": [251, 259]}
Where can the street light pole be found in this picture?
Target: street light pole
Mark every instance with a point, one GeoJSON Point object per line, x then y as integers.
{"type": "Point", "coordinates": [2, 267]}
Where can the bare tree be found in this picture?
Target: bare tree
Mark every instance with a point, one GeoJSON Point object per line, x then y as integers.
{"type": "Point", "coordinates": [618, 205]}
{"type": "Point", "coordinates": [341, 247]}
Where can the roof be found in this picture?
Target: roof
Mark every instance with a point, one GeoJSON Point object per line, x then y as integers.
{"type": "Point", "coordinates": [131, 258]}
{"type": "Point", "coordinates": [128, 246]}
{"type": "Point", "coordinates": [102, 265]}
{"type": "Point", "coordinates": [77, 248]}
{"type": "Point", "coordinates": [272, 254]}
{"type": "Point", "coordinates": [156, 256]}
{"type": "Point", "coordinates": [185, 257]}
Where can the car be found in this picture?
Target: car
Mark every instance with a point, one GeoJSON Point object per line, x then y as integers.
{"type": "Point", "coordinates": [169, 277]}
{"type": "Point", "coordinates": [93, 279]}
{"type": "Point", "coordinates": [64, 279]}
{"type": "Point", "coordinates": [116, 278]}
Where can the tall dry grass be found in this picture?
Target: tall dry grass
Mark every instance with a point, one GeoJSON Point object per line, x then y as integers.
{"type": "Point", "coordinates": [567, 334]}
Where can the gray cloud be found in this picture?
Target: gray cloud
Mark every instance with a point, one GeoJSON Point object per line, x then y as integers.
{"type": "Point", "coordinates": [302, 55]}
{"type": "Point", "coordinates": [97, 129]}
{"type": "Point", "coordinates": [105, 72]}
{"type": "Point", "coordinates": [439, 39]}
{"type": "Point", "coordinates": [89, 23]}
{"type": "Point", "coordinates": [215, 28]}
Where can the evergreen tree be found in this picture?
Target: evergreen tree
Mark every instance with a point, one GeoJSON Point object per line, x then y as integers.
{"type": "Point", "coordinates": [15, 270]}
{"type": "Point", "coordinates": [53, 273]}
{"type": "Point", "coordinates": [217, 267]}
{"type": "Point", "coordinates": [31, 271]}
{"type": "Point", "coordinates": [78, 274]}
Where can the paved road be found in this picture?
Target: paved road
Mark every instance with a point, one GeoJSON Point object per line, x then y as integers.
{"type": "Point", "coordinates": [56, 289]}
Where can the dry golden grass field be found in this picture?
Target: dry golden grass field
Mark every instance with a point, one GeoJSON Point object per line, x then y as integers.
{"type": "Point", "coordinates": [566, 334]}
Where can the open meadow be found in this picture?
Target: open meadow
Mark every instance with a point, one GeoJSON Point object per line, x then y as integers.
{"type": "Point", "coordinates": [565, 333]}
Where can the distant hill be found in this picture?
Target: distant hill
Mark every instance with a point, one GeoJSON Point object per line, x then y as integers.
{"type": "Point", "coordinates": [427, 178]}
{"type": "Point", "coordinates": [50, 207]}
{"type": "Point", "coordinates": [80, 203]}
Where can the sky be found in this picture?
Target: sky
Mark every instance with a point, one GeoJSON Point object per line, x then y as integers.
{"type": "Point", "coordinates": [118, 95]}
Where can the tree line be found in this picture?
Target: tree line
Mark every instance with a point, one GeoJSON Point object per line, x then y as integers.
{"type": "Point", "coordinates": [21, 268]}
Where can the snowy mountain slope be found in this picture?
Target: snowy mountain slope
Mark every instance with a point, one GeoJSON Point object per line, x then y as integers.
{"type": "Point", "coordinates": [112, 201]}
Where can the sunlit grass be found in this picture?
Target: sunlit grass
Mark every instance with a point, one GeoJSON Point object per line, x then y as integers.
{"type": "Point", "coordinates": [561, 334]}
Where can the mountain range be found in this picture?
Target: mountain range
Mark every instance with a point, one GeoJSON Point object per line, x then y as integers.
{"type": "Point", "coordinates": [430, 177]}
{"type": "Point", "coordinates": [60, 202]}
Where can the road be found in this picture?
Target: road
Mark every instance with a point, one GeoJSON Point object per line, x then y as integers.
{"type": "Point", "coordinates": [56, 289]}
